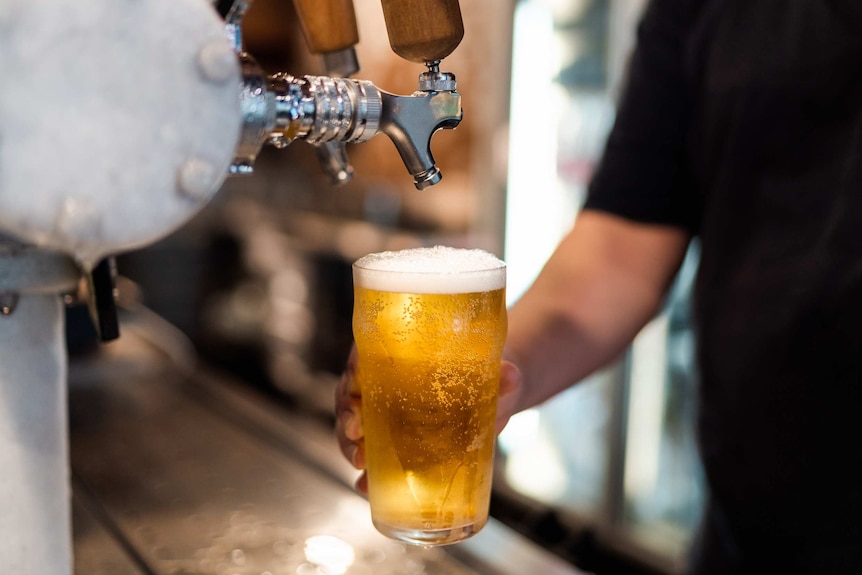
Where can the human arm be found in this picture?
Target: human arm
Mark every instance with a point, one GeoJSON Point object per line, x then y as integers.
{"type": "Point", "coordinates": [606, 279]}
{"type": "Point", "coordinates": [609, 275]}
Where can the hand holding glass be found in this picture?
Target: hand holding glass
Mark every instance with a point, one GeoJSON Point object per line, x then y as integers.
{"type": "Point", "coordinates": [429, 325]}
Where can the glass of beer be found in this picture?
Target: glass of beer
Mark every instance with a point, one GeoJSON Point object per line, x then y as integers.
{"type": "Point", "coordinates": [429, 326]}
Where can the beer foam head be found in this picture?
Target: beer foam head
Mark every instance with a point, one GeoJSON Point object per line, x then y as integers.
{"type": "Point", "coordinates": [435, 270]}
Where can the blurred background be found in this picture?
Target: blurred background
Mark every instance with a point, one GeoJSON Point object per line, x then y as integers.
{"type": "Point", "coordinates": [258, 286]}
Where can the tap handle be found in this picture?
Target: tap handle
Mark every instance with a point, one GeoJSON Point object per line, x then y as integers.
{"type": "Point", "coordinates": [328, 25]}
{"type": "Point", "coordinates": [423, 31]}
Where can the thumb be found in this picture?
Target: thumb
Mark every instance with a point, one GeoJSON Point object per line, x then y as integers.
{"type": "Point", "coordinates": [511, 386]}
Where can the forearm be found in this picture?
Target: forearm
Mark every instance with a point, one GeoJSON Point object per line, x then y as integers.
{"type": "Point", "coordinates": [604, 282]}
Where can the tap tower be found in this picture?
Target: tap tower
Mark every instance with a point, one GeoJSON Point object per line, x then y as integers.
{"type": "Point", "coordinates": [329, 111]}
{"type": "Point", "coordinates": [113, 150]}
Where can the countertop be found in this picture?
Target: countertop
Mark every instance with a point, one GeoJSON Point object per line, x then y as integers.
{"type": "Point", "coordinates": [178, 469]}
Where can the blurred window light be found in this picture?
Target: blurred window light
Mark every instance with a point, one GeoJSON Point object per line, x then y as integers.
{"type": "Point", "coordinates": [533, 463]}
{"type": "Point", "coordinates": [533, 186]}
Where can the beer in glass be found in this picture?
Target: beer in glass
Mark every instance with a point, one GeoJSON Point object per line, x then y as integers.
{"type": "Point", "coordinates": [429, 326]}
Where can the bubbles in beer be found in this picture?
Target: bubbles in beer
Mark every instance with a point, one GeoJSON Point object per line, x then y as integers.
{"type": "Point", "coordinates": [429, 325]}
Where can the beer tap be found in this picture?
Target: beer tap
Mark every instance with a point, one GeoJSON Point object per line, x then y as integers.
{"type": "Point", "coordinates": [329, 28]}
{"type": "Point", "coordinates": [281, 108]}
{"type": "Point", "coordinates": [423, 31]}
{"type": "Point", "coordinates": [145, 139]}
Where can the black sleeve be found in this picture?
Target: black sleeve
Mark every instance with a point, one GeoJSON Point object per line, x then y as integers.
{"type": "Point", "coordinates": [643, 174]}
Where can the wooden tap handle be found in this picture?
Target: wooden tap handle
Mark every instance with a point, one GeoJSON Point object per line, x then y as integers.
{"type": "Point", "coordinates": [423, 30]}
{"type": "Point", "coordinates": [328, 25]}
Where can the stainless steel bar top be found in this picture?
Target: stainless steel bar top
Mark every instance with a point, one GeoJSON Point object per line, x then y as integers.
{"type": "Point", "coordinates": [179, 471]}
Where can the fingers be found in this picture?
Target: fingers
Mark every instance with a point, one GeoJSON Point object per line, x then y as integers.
{"type": "Point", "coordinates": [362, 484]}
{"type": "Point", "coordinates": [510, 378]}
{"type": "Point", "coordinates": [348, 411]}
{"type": "Point", "coordinates": [510, 391]}
{"type": "Point", "coordinates": [348, 378]}
{"type": "Point", "coordinates": [348, 415]}
{"type": "Point", "coordinates": [355, 454]}
{"type": "Point", "coordinates": [348, 431]}
{"type": "Point", "coordinates": [351, 421]}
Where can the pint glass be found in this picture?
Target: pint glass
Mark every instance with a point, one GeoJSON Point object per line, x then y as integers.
{"type": "Point", "coordinates": [429, 326]}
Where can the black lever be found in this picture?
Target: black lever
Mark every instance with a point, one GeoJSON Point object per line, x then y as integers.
{"type": "Point", "coordinates": [102, 283]}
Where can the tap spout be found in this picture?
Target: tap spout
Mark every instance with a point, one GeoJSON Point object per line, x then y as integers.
{"type": "Point", "coordinates": [280, 108]}
{"type": "Point", "coordinates": [411, 121]}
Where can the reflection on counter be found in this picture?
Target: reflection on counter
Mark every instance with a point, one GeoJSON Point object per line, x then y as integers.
{"type": "Point", "coordinates": [179, 470]}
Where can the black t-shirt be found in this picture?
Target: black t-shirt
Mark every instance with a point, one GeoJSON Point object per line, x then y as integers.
{"type": "Point", "coordinates": [742, 122]}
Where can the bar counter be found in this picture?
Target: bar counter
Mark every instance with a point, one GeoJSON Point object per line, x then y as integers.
{"type": "Point", "coordinates": [178, 470]}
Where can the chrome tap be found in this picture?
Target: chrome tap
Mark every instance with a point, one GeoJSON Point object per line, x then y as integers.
{"type": "Point", "coordinates": [280, 108]}
{"type": "Point", "coordinates": [330, 30]}
{"type": "Point", "coordinates": [410, 121]}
